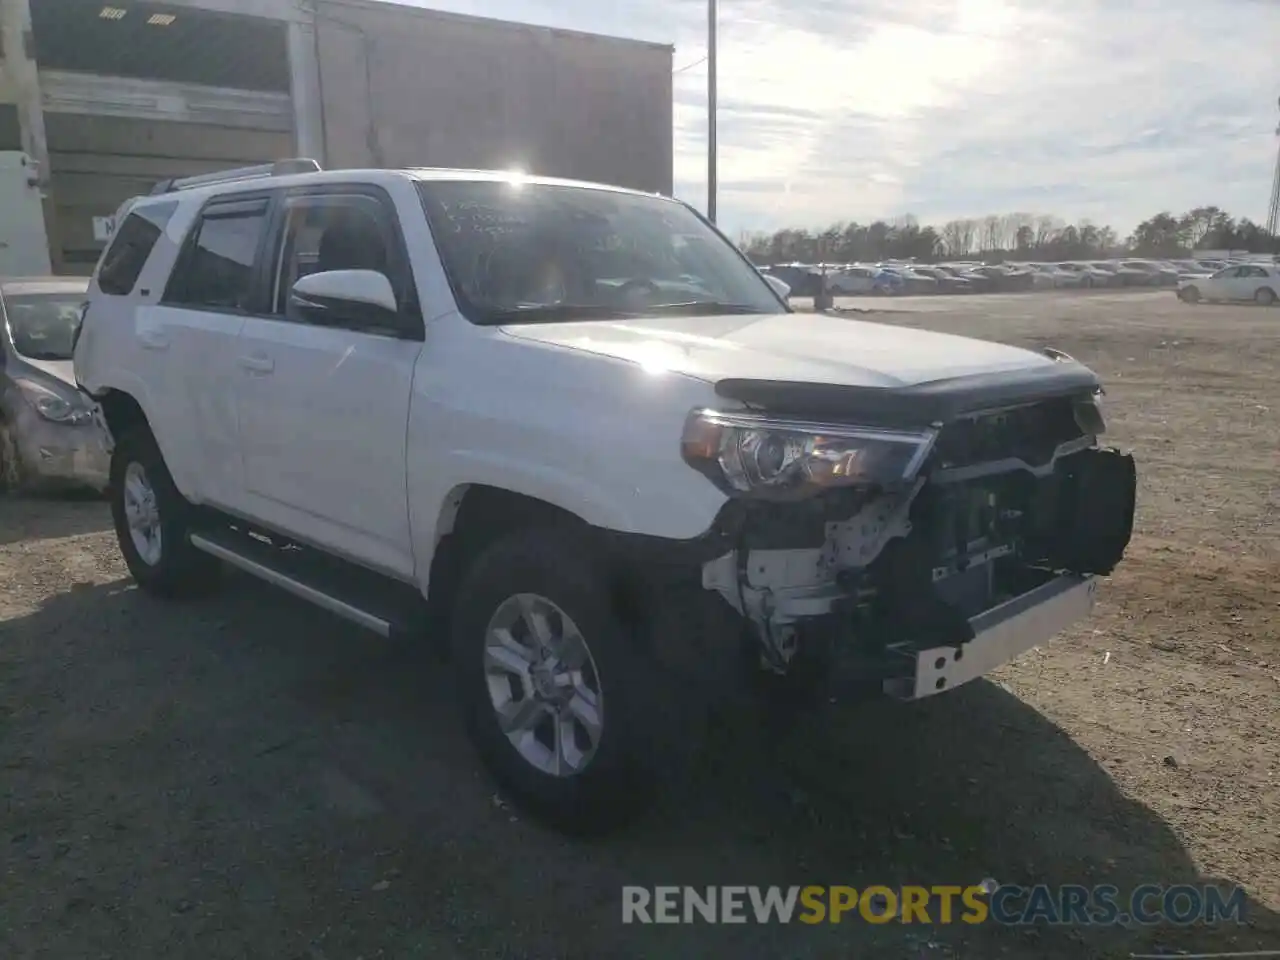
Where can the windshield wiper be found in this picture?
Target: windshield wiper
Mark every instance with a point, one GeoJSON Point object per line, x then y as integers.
{"type": "Point", "coordinates": [699, 308]}
{"type": "Point", "coordinates": [556, 312]}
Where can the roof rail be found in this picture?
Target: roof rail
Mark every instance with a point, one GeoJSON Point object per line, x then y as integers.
{"type": "Point", "coordinates": [281, 168]}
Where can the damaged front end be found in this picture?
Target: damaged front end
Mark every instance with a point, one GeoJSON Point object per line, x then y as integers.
{"type": "Point", "coordinates": [913, 558]}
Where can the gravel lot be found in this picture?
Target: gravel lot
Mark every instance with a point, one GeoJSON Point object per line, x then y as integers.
{"type": "Point", "coordinates": [248, 777]}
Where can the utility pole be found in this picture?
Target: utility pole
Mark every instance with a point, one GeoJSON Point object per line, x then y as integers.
{"type": "Point", "coordinates": [711, 110]}
{"type": "Point", "coordinates": [1273, 211]}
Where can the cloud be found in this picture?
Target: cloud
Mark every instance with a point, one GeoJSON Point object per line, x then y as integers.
{"type": "Point", "coordinates": [858, 109]}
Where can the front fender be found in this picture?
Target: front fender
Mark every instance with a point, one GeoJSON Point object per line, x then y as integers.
{"type": "Point", "coordinates": [674, 511]}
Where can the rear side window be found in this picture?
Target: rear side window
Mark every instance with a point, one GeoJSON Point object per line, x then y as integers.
{"type": "Point", "coordinates": [134, 240]}
{"type": "Point", "coordinates": [216, 268]}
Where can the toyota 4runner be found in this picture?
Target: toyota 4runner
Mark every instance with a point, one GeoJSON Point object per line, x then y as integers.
{"type": "Point", "coordinates": [572, 428]}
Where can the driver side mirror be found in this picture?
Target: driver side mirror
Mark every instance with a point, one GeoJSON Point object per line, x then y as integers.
{"type": "Point", "coordinates": [360, 299]}
{"type": "Point", "coordinates": [780, 287]}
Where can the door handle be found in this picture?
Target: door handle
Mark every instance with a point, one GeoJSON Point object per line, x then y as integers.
{"type": "Point", "coordinates": [258, 364]}
{"type": "Point", "coordinates": [153, 339]}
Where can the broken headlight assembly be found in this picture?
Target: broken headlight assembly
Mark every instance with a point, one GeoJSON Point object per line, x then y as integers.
{"type": "Point", "coordinates": [52, 405]}
{"type": "Point", "coordinates": [749, 455]}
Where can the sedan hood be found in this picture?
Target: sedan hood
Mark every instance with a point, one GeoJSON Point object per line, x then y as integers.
{"type": "Point", "coordinates": [806, 352]}
{"type": "Point", "coordinates": [58, 369]}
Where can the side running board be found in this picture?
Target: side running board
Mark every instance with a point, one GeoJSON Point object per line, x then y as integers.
{"type": "Point", "coordinates": [368, 600]}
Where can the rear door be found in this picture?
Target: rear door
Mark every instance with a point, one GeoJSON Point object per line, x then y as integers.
{"type": "Point", "coordinates": [1239, 283]}
{"type": "Point", "coordinates": [187, 335]}
{"type": "Point", "coordinates": [1252, 279]}
{"type": "Point", "coordinates": [323, 409]}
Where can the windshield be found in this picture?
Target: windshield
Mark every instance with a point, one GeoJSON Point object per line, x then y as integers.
{"type": "Point", "coordinates": [43, 325]}
{"type": "Point", "coordinates": [517, 251]}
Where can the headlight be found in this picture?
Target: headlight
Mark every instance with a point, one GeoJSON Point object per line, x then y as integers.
{"type": "Point", "coordinates": [52, 405]}
{"type": "Point", "coordinates": [1090, 415]}
{"type": "Point", "coordinates": [781, 459]}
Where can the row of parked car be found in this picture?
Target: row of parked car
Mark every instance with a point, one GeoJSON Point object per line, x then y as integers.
{"type": "Point", "coordinates": [905, 277]}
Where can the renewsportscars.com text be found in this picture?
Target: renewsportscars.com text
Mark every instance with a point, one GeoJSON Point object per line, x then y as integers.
{"type": "Point", "coordinates": [939, 904]}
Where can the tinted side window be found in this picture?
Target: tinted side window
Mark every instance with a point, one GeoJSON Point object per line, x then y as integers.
{"type": "Point", "coordinates": [134, 240]}
{"type": "Point", "coordinates": [10, 129]}
{"type": "Point", "coordinates": [216, 269]}
{"type": "Point", "coordinates": [331, 232]}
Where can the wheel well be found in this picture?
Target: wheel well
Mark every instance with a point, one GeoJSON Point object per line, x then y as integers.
{"type": "Point", "coordinates": [121, 411]}
{"type": "Point", "coordinates": [477, 515]}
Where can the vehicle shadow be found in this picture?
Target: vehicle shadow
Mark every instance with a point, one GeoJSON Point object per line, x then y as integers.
{"type": "Point", "coordinates": [51, 516]}
{"type": "Point", "coordinates": [245, 775]}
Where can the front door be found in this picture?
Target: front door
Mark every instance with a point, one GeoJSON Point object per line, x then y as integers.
{"type": "Point", "coordinates": [323, 409]}
{"type": "Point", "coordinates": [1219, 286]}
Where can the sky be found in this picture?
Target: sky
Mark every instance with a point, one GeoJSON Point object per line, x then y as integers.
{"type": "Point", "coordinates": [839, 110]}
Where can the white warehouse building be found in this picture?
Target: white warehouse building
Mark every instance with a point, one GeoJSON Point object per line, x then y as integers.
{"type": "Point", "coordinates": [103, 98]}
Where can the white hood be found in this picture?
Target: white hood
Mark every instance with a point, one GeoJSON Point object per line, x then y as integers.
{"type": "Point", "coordinates": [798, 347]}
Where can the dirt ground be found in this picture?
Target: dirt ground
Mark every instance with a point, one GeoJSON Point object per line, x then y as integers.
{"type": "Point", "coordinates": [247, 777]}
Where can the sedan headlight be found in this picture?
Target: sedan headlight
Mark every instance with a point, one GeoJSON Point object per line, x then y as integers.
{"type": "Point", "coordinates": [751, 455]}
{"type": "Point", "coordinates": [53, 405]}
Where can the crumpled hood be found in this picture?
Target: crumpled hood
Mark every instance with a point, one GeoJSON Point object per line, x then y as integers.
{"type": "Point", "coordinates": [797, 347]}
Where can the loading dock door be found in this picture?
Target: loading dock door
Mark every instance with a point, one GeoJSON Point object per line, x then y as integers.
{"type": "Point", "coordinates": [146, 94]}
{"type": "Point", "coordinates": [105, 148]}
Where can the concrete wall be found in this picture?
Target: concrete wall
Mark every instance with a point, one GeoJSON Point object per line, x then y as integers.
{"type": "Point", "coordinates": [404, 86]}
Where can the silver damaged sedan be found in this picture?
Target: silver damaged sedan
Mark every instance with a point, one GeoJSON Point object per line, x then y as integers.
{"type": "Point", "coordinates": [48, 436]}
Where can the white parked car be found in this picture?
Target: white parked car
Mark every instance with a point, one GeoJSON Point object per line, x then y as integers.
{"type": "Point", "coordinates": [1058, 277]}
{"type": "Point", "coordinates": [1089, 274]}
{"type": "Point", "coordinates": [1259, 282]}
{"type": "Point", "coordinates": [1041, 278]}
{"type": "Point", "coordinates": [852, 281]}
{"type": "Point", "coordinates": [573, 429]}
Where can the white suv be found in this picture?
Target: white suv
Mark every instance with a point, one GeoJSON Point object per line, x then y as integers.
{"type": "Point", "coordinates": [572, 428]}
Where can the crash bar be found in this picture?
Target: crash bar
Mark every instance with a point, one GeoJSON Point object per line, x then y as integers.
{"type": "Point", "coordinates": [281, 168]}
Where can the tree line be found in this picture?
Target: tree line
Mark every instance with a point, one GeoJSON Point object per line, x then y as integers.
{"type": "Point", "coordinates": [1013, 236]}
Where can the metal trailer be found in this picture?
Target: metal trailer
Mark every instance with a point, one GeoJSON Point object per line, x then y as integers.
{"type": "Point", "coordinates": [406, 86]}
{"type": "Point", "coordinates": [173, 88]}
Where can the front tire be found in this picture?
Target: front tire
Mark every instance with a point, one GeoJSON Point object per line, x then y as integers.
{"type": "Point", "coordinates": [557, 698]}
{"type": "Point", "coordinates": [153, 521]}
{"type": "Point", "coordinates": [1189, 295]}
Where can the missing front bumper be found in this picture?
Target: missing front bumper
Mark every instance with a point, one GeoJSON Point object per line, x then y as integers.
{"type": "Point", "coordinates": [999, 635]}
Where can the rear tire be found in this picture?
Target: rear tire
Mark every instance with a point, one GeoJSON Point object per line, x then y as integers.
{"type": "Point", "coordinates": [519, 610]}
{"type": "Point", "coordinates": [153, 521]}
{"type": "Point", "coordinates": [1265, 297]}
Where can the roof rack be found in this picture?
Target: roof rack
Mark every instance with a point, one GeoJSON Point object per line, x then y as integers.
{"type": "Point", "coordinates": [281, 168]}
